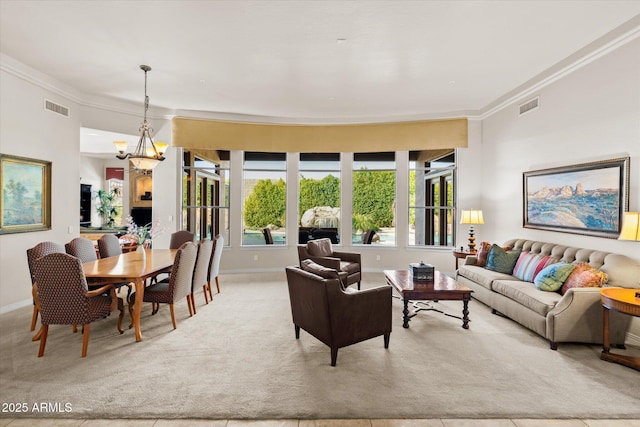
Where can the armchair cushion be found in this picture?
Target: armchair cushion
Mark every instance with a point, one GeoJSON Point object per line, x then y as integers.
{"type": "Point", "coordinates": [320, 247]}
{"type": "Point", "coordinates": [322, 271]}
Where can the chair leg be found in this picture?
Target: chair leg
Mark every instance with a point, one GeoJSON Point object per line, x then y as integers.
{"type": "Point", "coordinates": [204, 291]}
{"type": "Point", "coordinates": [386, 339]}
{"type": "Point", "coordinates": [154, 308]}
{"type": "Point", "coordinates": [43, 339]}
{"type": "Point", "coordinates": [217, 286]}
{"type": "Point", "coordinates": [75, 328]}
{"type": "Point", "coordinates": [334, 355]}
{"type": "Point", "coordinates": [358, 285]}
{"type": "Point", "coordinates": [85, 339]}
{"type": "Point", "coordinates": [297, 331]}
{"type": "Point", "coordinates": [173, 316]}
{"type": "Point", "coordinates": [121, 316]}
{"type": "Point", "coordinates": [190, 304]}
{"type": "Point", "coordinates": [38, 334]}
{"type": "Point", "coordinates": [34, 318]}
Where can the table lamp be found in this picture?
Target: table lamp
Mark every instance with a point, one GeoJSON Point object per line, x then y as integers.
{"type": "Point", "coordinates": [630, 226]}
{"type": "Point", "coordinates": [471, 217]}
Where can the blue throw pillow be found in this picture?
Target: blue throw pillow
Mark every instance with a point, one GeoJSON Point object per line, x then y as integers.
{"type": "Point", "coordinates": [502, 261]}
{"type": "Point", "coordinates": [552, 277]}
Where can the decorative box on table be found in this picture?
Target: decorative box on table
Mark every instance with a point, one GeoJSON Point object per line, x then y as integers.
{"type": "Point", "coordinates": [421, 272]}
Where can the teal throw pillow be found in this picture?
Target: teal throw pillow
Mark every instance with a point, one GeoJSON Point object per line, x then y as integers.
{"type": "Point", "coordinates": [552, 277]}
{"type": "Point", "coordinates": [502, 261]}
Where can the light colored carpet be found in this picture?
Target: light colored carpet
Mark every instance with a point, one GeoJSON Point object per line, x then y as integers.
{"type": "Point", "coordinates": [238, 358]}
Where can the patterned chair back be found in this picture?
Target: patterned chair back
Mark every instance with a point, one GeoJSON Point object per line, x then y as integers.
{"type": "Point", "coordinates": [182, 271]}
{"type": "Point", "coordinates": [180, 237]}
{"type": "Point", "coordinates": [62, 288]}
{"type": "Point", "coordinates": [109, 245]}
{"type": "Point", "coordinates": [205, 247]}
{"type": "Point", "coordinates": [82, 249]}
{"type": "Point", "coordinates": [214, 266]}
{"type": "Point", "coordinates": [40, 250]}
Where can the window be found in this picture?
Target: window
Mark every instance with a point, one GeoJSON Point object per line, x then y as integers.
{"type": "Point", "coordinates": [374, 195]}
{"type": "Point", "coordinates": [319, 196]}
{"type": "Point", "coordinates": [431, 208]}
{"type": "Point", "coordinates": [205, 194]}
{"type": "Point", "coordinates": [264, 198]}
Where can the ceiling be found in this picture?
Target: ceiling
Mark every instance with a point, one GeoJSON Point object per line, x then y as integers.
{"type": "Point", "coordinates": [331, 61]}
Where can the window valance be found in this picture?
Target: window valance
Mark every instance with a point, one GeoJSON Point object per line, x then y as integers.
{"type": "Point", "coordinates": [371, 137]}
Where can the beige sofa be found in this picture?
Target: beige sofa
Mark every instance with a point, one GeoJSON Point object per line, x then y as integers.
{"type": "Point", "coordinates": [575, 316]}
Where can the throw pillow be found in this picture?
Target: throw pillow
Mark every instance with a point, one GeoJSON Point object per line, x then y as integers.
{"type": "Point", "coordinates": [530, 264]}
{"type": "Point", "coordinates": [552, 277]}
{"type": "Point", "coordinates": [502, 261]}
{"type": "Point", "coordinates": [320, 247]}
{"type": "Point", "coordinates": [317, 269]}
{"type": "Point", "coordinates": [483, 253]}
{"type": "Point", "coordinates": [585, 276]}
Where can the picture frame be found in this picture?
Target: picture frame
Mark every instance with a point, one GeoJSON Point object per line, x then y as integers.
{"type": "Point", "coordinates": [587, 198]}
{"type": "Point", "coordinates": [25, 194]}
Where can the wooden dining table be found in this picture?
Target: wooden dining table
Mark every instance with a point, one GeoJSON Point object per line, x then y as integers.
{"type": "Point", "coordinates": [134, 267]}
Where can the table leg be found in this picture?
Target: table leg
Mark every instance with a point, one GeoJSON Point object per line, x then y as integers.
{"type": "Point", "coordinates": [405, 313]}
{"type": "Point", "coordinates": [465, 314]}
{"type": "Point", "coordinates": [137, 308]}
{"type": "Point", "coordinates": [606, 345]}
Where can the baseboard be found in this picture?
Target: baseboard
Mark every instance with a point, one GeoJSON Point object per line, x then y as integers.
{"type": "Point", "coordinates": [632, 339]}
{"type": "Point", "coordinates": [15, 306]}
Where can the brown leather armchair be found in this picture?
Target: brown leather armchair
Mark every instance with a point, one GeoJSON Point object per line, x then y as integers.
{"type": "Point", "coordinates": [321, 252]}
{"type": "Point", "coordinates": [335, 316]}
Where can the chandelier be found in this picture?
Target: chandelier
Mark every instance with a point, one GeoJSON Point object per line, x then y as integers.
{"type": "Point", "coordinates": [147, 154]}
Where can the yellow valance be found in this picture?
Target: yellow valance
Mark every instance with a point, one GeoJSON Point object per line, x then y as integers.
{"type": "Point", "coordinates": [371, 137]}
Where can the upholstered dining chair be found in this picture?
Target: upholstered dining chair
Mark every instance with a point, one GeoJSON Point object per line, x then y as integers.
{"type": "Point", "coordinates": [321, 306]}
{"type": "Point", "coordinates": [65, 298]}
{"type": "Point", "coordinates": [177, 286]}
{"type": "Point", "coordinates": [82, 249]}
{"type": "Point", "coordinates": [85, 251]}
{"type": "Point", "coordinates": [180, 237]}
{"type": "Point", "coordinates": [38, 251]}
{"type": "Point", "coordinates": [321, 252]}
{"type": "Point", "coordinates": [201, 270]}
{"type": "Point", "coordinates": [214, 267]}
{"type": "Point", "coordinates": [109, 245]}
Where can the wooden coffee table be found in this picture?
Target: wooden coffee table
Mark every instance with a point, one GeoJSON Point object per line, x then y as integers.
{"type": "Point", "coordinates": [442, 288]}
{"type": "Point", "coordinates": [624, 301]}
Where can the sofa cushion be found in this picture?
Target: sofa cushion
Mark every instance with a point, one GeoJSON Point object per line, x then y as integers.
{"type": "Point", "coordinates": [552, 277]}
{"type": "Point", "coordinates": [483, 253]}
{"type": "Point", "coordinates": [502, 261]}
{"type": "Point", "coordinates": [528, 295]}
{"type": "Point", "coordinates": [481, 275]}
{"type": "Point", "coordinates": [530, 264]}
{"type": "Point", "coordinates": [584, 276]}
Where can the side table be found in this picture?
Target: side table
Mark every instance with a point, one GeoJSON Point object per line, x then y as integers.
{"type": "Point", "coordinates": [625, 301]}
{"type": "Point", "coordinates": [461, 255]}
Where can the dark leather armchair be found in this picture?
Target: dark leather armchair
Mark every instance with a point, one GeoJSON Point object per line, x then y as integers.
{"type": "Point", "coordinates": [337, 317]}
{"type": "Point", "coordinates": [321, 252]}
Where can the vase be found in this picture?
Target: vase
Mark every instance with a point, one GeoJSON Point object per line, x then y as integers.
{"type": "Point", "coordinates": [140, 250]}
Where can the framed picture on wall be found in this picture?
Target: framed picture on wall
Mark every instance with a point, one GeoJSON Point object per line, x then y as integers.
{"type": "Point", "coordinates": [587, 198]}
{"type": "Point", "coordinates": [25, 194]}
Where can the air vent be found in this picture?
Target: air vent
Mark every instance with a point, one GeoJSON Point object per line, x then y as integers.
{"type": "Point", "coordinates": [56, 108]}
{"type": "Point", "coordinates": [530, 105]}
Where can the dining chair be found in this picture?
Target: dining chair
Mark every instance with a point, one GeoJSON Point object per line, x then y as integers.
{"type": "Point", "coordinates": [82, 248]}
{"type": "Point", "coordinates": [214, 267]}
{"type": "Point", "coordinates": [109, 245]}
{"type": "Point", "coordinates": [38, 251]}
{"type": "Point", "coordinates": [177, 286]}
{"type": "Point", "coordinates": [268, 238]}
{"type": "Point", "coordinates": [65, 298]}
{"type": "Point", "coordinates": [201, 269]}
{"type": "Point", "coordinates": [85, 251]}
{"type": "Point", "coordinates": [180, 237]}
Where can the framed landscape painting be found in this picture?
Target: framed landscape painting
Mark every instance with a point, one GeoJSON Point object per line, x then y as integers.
{"type": "Point", "coordinates": [25, 194]}
{"type": "Point", "coordinates": [587, 198]}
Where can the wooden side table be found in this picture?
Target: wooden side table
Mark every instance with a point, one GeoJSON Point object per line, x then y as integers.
{"type": "Point", "coordinates": [625, 301]}
{"type": "Point", "coordinates": [462, 254]}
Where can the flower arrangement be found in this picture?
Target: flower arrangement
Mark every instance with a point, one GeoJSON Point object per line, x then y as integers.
{"type": "Point", "coordinates": [144, 234]}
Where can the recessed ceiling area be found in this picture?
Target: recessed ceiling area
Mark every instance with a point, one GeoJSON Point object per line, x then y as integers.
{"type": "Point", "coordinates": [333, 61]}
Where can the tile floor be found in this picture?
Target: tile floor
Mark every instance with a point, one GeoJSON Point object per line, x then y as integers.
{"type": "Point", "coordinates": [56, 422]}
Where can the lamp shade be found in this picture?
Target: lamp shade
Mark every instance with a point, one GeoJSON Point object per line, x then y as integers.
{"type": "Point", "coordinates": [630, 226]}
{"type": "Point", "coordinates": [471, 217]}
